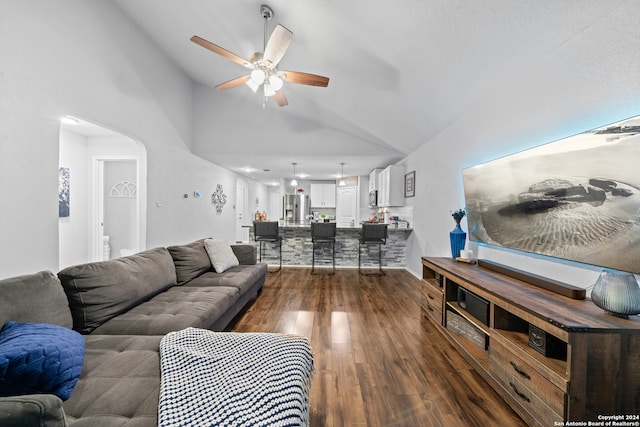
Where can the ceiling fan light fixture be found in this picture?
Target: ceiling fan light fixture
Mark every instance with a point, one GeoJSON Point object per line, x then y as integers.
{"type": "Point", "coordinates": [275, 82]}
{"type": "Point", "coordinates": [257, 76]}
{"type": "Point", "coordinates": [252, 85]}
{"type": "Point", "coordinates": [269, 90]}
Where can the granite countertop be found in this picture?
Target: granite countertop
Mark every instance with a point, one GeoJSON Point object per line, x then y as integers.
{"type": "Point", "coordinates": [307, 226]}
{"type": "Point", "coordinates": [358, 226]}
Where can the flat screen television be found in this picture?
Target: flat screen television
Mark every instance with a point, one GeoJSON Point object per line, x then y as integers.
{"type": "Point", "coordinates": [577, 198]}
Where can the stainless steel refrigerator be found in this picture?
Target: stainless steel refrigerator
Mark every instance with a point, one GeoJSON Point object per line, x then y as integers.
{"type": "Point", "coordinates": [295, 207]}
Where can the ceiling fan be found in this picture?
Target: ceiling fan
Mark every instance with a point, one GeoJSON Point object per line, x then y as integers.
{"type": "Point", "coordinates": [264, 64]}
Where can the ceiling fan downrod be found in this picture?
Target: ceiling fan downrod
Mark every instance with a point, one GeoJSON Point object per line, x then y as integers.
{"type": "Point", "coordinates": [267, 13]}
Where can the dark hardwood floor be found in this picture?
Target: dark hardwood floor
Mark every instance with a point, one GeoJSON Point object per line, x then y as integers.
{"type": "Point", "coordinates": [378, 361]}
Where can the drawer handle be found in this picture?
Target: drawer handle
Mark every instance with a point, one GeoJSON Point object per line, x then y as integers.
{"type": "Point", "coordinates": [430, 297]}
{"type": "Point", "coordinates": [518, 370]}
{"type": "Point", "coordinates": [429, 308]}
{"type": "Point", "coordinates": [519, 393]}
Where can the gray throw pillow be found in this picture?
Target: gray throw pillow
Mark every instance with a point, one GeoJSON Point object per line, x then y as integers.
{"type": "Point", "coordinates": [190, 260]}
{"type": "Point", "coordinates": [221, 255]}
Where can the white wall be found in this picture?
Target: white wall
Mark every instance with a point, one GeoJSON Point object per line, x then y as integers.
{"type": "Point", "coordinates": [85, 59]}
{"type": "Point", "coordinates": [591, 82]}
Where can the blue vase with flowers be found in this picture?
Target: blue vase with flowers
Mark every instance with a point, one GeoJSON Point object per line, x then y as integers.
{"type": "Point", "coordinates": [457, 236]}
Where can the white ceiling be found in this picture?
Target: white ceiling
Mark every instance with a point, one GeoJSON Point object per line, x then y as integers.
{"type": "Point", "coordinates": [400, 72]}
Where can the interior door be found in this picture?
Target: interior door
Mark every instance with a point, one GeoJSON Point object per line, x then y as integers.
{"type": "Point", "coordinates": [347, 206]}
{"type": "Point", "coordinates": [119, 208]}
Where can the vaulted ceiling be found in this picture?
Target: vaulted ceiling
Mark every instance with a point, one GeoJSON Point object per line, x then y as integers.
{"type": "Point", "coordinates": [400, 72]}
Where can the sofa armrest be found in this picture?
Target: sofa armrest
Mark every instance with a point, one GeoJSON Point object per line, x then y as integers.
{"type": "Point", "coordinates": [246, 254]}
{"type": "Point", "coordinates": [32, 410]}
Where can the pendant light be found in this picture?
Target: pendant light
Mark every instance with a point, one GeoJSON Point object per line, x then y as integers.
{"type": "Point", "coordinates": [293, 181]}
{"type": "Point", "coordinates": [342, 183]}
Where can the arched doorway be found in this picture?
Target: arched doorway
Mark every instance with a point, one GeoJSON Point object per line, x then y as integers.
{"type": "Point", "coordinates": [107, 196]}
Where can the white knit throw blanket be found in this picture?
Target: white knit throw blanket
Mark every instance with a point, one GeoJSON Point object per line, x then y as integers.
{"type": "Point", "coordinates": [234, 379]}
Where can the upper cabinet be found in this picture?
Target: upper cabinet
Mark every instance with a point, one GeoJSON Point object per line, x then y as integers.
{"type": "Point", "coordinates": [391, 186]}
{"type": "Point", "coordinates": [373, 179]}
{"type": "Point", "coordinates": [323, 195]}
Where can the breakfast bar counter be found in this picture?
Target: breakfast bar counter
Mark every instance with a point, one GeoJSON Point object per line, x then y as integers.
{"type": "Point", "coordinates": [297, 247]}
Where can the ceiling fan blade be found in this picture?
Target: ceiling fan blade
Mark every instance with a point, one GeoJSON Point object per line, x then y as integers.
{"type": "Point", "coordinates": [280, 99]}
{"type": "Point", "coordinates": [221, 51]}
{"type": "Point", "coordinates": [277, 45]}
{"type": "Point", "coordinates": [305, 78]}
{"type": "Point", "coordinates": [233, 83]}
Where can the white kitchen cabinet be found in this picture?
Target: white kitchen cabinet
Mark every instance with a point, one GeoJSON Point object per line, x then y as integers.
{"type": "Point", "coordinates": [373, 179]}
{"type": "Point", "coordinates": [323, 195]}
{"type": "Point", "coordinates": [391, 186]}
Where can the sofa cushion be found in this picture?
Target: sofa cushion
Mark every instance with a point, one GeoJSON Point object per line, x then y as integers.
{"type": "Point", "coordinates": [242, 277]}
{"type": "Point", "coordinates": [99, 291]}
{"type": "Point", "coordinates": [221, 255]}
{"type": "Point", "coordinates": [190, 260]}
{"type": "Point", "coordinates": [32, 410]}
{"type": "Point", "coordinates": [178, 308]}
{"type": "Point", "coordinates": [119, 384]}
{"type": "Point", "coordinates": [35, 298]}
{"type": "Point", "coordinates": [245, 253]}
{"type": "Point", "coordinates": [39, 358]}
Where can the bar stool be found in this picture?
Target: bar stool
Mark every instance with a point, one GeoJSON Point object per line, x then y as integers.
{"type": "Point", "coordinates": [323, 233]}
{"type": "Point", "coordinates": [267, 231]}
{"type": "Point", "coordinates": [373, 234]}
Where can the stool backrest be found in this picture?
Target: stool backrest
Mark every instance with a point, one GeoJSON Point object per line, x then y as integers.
{"type": "Point", "coordinates": [265, 229]}
{"type": "Point", "coordinates": [373, 232]}
{"type": "Point", "coordinates": [323, 230]}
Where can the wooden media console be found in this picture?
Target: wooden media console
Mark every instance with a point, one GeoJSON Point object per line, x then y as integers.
{"type": "Point", "coordinates": [551, 357]}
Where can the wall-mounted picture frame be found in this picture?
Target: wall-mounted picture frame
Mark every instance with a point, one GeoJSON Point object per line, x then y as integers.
{"type": "Point", "coordinates": [410, 184]}
{"type": "Point", "coordinates": [64, 183]}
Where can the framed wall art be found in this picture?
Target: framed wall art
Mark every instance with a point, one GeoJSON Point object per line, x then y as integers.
{"type": "Point", "coordinates": [63, 192]}
{"type": "Point", "coordinates": [410, 184]}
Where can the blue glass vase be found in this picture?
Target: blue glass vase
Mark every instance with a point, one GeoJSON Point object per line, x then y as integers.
{"type": "Point", "coordinates": [458, 239]}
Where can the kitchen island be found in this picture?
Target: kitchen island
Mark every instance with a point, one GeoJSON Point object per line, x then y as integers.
{"type": "Point", "coordinates": [297, 247]}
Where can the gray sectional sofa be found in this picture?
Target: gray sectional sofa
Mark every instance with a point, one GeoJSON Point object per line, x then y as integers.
{"type": "Point", "coordinates": [160, 290]}
{"type": "Point", "coordinates": [122, 308]}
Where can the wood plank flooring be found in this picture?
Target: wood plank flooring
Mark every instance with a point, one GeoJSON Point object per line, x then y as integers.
{"type": "Point", "coordinates": [378, 361]}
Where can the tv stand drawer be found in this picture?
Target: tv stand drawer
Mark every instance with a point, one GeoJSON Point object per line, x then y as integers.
{"type": "Point", "coordinates": [525, 397]}
{"type": "Point", "coordinates": [432, 300]}
{"type": "Point", "coordinates": [510, 366]}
